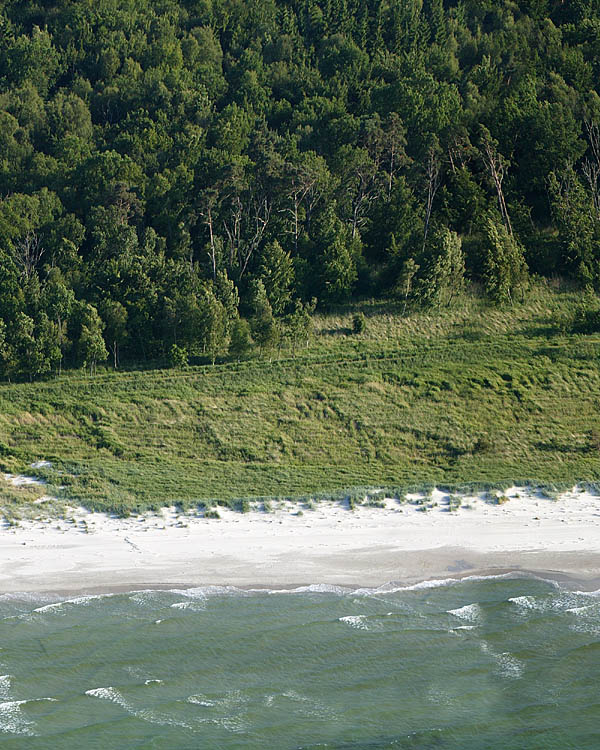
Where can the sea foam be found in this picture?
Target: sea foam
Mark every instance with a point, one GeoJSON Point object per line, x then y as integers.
{"type": "Point", "coordinates": [12, 720]}
{"type": "Point", "coordinates": [115, 696]}
{"type": "Point", "coordinates": [507, 665]}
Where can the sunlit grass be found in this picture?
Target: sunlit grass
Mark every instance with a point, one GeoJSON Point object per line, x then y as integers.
{"type": "Point", "coordinates": [467, 394]}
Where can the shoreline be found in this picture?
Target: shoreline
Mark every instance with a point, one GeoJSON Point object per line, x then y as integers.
{"type": "Point", "coordinates": [291, 547]}
{"type": "Point", "coordinates": [569, 581]}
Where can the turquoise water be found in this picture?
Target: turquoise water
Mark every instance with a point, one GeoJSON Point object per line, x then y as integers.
{"type": "Point", "coordinates": [494, 663]}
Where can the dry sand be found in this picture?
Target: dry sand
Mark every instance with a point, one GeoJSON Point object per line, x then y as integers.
{"type": "Point", "coordinates": [559, 539]}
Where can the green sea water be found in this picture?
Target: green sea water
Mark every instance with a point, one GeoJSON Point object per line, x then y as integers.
{"type": "Point", "coordinates": [500, 663]}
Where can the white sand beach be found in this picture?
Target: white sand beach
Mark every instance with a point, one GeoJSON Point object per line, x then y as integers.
{"type": "Point", "coordinates": [91, 552]}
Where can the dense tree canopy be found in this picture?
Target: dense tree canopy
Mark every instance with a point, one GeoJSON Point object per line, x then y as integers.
{"type": "Point", "coordinates": [167, 167]}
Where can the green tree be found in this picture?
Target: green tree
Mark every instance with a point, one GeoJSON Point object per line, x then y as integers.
{"type": "Point", "coordinates": [35, 346]}
{"type": "Point", "coordinates": [241, 338]}
{"type": "Point", "coordinates": [8, 362]}
{"type": "Point", "coordinates": [58, 301]}
{"type": "Point", "coordinates": [405, 281]}
{"type": "Point", "coordinates": [215, 325]}
{"type": "Point", "coordinates": [337, 265]}
{"type": "Point", "coordinates": [505, 267]}
{"type": "Point", "coordinates": [262, 323]}
{"type": "Point", "coordinates": [115, 317]}
{"type": "Point", "coordinates": [90, 345]}
{"type": "Point", "coordinates": [277, 274]}
{"type": "Point", "coordinates": [578, 223]}
{"type": "Point", "coordinates": [299, 323]}
{"type": "Point", "coordinates": [228, 295]}
{"type": "Point", "coordinates": [444, 275]}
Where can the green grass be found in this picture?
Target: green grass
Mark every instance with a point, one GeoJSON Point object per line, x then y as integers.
{"type": "Point", "coordinates": [472, 394]}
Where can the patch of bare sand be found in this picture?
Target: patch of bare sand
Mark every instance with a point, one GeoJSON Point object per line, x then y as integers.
{"type": "Point", "coordinates": [369, 546]}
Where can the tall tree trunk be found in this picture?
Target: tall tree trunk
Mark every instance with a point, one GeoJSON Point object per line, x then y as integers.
{"type": "Point", "coordinates": [495, 167]}
{"type": "Point", "coordinates": [433, 183]}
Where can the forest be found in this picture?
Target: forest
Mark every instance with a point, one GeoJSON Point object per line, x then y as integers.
{"type": "Point", "coordinates": [192, 179]}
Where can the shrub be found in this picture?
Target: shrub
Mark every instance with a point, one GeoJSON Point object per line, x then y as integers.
{"type": "Point", "coordinates": [241, 338]}
{"type": "Point", "coordinates": [375, 502]}
{"type": "Point", "coordinates": [359, 323]}
{"type": "Point", "coordinates": [455, 502]}
{"type": "Point", "coordinates": [587, 316]}
{"type": "Point", "coordinates": [483, 444]}
{"type": "Point", "coordinates": [178, 356]}
{"type": "Point", "coordinates": [594, 440]}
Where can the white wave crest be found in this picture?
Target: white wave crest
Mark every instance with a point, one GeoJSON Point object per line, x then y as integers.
{"type": "Point", "coordinates": [564, 601]}
{"type": "Point", "coordinates": [193, 605]}
{"type": "Point", "coordinates": [356, 621]}
{"type": "Point", "coordinates": [147, 596]}
{"type": "Point", "coordinates": [434, 583]}
{"type": "Point", "coordinates": [113, 695]}
{"type": "Point", "coordinates": [470, 612]}
{"type": "Point", "coordinates": [200, 700]}
{"type": "Point", "coordinates": [5, 680]}
{"type": "Point", "coordinates": [163, 720]}
{"type": "Point", "coordinates": [57, 606]}
{"type": "Point", "coordinates": [528, 602]}
{"type": "Point", "coordinates": [12, 720]}
{"type": "Point", "coordinates": [110, 694]}
{"type": "Point", "coordinates": [317, 588]}
{"type": "Point", "coordinates": [507, 665]}
{"type": "Point", "coordinates": [202, 592]}
{"type": "Point", "coordinates": [233, 724]}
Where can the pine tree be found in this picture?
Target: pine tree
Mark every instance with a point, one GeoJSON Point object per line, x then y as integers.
{"type": "Point", "coordinates": [277, 274]}
{"type": "Point", "coordinates": [437, 22]}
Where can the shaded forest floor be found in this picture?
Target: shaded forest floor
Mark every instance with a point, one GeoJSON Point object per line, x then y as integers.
{"type": "Point", "coordinates": [463, 395]}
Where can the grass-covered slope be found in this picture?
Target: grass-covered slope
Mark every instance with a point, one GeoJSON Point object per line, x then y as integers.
{"type": "Point", "coordinates": [472, 394]}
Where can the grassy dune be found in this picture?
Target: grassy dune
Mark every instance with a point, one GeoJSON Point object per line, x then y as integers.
{"type": "Point", "coordinates": [469, 394]}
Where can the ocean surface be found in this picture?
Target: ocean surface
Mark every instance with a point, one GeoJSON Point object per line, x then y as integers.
{"type": "Point", "coordinates": [496, 663]}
